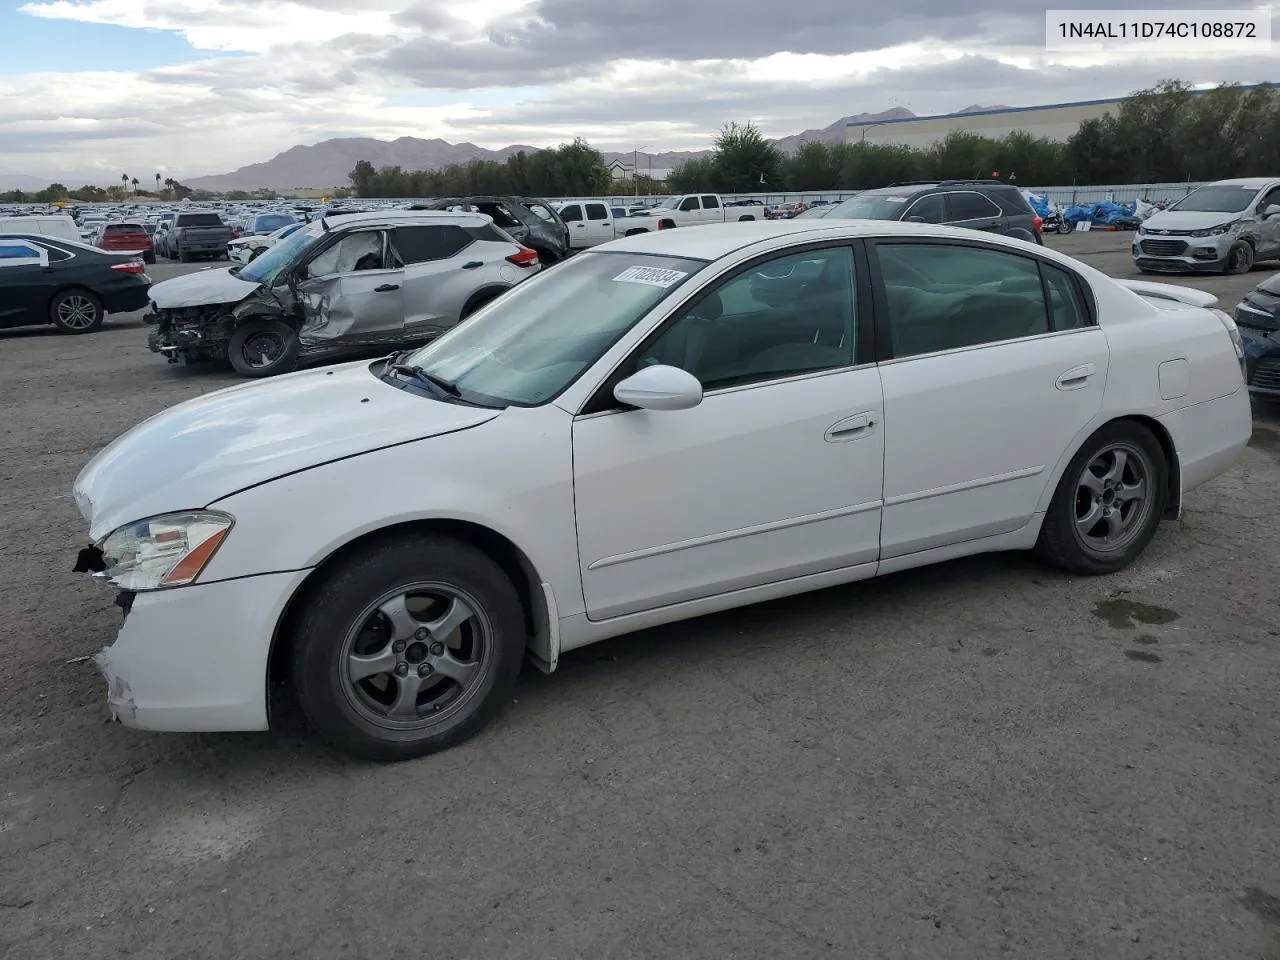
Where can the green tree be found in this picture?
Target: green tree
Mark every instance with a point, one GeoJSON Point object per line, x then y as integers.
{"type": "Point", "coordinates": [744, 161]}
{"type": "Point", "coordinates": [692, 176]}
{"type": "Point", "coordinates": [815, 166]}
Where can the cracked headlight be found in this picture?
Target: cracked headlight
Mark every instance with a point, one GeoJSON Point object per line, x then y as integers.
{"type": "Point", "coordinates": [164, 551]}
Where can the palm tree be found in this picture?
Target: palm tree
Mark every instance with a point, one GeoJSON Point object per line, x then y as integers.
{"type": "Point", "coordinates": [134, 181]}
{"type": "Point", "coordinates": [157, 184]}
{"type": "Point", "coordinates": [170, 183]}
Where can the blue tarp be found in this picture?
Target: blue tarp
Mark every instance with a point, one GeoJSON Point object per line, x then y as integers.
{"type": "Point", "coordinates": [1105, 212]}
{"type": "Point", "coordinates": [1039, 204]}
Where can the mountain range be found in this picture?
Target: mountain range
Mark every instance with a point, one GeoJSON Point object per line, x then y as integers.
{"type": "Point", "coordinates": [328, 163]}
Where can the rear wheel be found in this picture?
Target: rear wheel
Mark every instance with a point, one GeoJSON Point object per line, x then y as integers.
{"type": "Point", "coordinates": [76, 311]}
{"type": "Point", "coordinates": [1065, 227]}
{"type": "Point", "coordinates": [408, 648]}
{"type": "Point", "coordinates": [263, 348]}
{"type": "Point", "coordinates": [1108, 503]}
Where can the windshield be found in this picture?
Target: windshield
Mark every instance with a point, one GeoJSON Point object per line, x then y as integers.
{"type": "Point", "coordinates": [1216, 199]}
{"type": "Point", "coordinates": [870, 206]}
{"type": "Point", "coordinates": [269, 267]}
{"type": "Point", "coordinates": [531, 343]}
{"type": "Point", "coordinates": [671, 203]}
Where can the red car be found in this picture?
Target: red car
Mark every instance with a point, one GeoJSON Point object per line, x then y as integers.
{"type": "Point", "coordinates": [128, 237]}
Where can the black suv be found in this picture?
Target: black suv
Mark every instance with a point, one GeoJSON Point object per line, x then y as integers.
{"type": "Point", "coordinates": [990, 205]}
{"type": "Point", "coordinates": [529, 221]}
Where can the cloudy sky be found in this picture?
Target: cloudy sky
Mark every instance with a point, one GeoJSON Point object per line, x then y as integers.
{"type": "Point", "coordinates": [193, 87]}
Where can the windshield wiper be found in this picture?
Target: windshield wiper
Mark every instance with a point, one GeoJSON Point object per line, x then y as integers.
{"type": "Point", "coordinates": [418, 373]}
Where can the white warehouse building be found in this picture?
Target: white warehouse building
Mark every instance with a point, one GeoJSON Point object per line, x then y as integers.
{"type": "Point", "coordinates": [1055, 121]}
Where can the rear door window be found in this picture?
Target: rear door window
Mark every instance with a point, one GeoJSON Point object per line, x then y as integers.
{"type": "Point", "coordinates": [709, 202]}
{"type": "Point", "coordinates": [571, 214]}
{"type": "Point", "coordinates": [15, 253]}
{"type": "Point", "coordinates": [428, 243]}
{"type": "Point", "coordinates": [597, 211]}
{"type": "Point", "coordinates": [964, 205]}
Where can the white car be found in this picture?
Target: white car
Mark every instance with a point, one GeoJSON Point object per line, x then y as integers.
{"type": "Point", "coordinates": [246, 249]}
{"type": "Point", "coordinates": [669, 425]}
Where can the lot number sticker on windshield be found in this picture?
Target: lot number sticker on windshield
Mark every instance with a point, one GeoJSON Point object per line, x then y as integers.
{"type": "Point", "coordinates": [654, 276]}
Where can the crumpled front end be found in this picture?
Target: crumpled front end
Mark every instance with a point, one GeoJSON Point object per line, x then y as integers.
{"type": "Point", "coordinates": [191, 333]}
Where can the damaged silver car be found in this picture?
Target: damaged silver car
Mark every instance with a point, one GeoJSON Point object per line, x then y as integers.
{"type": "Point", "coordinates": [343, 285]}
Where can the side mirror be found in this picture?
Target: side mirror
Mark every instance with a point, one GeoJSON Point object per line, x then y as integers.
{"type": "Point", "coordinates": [659, 387]}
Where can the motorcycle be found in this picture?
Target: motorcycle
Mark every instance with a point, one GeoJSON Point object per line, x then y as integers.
{"type": "Point", "coordinates": [1056, 223]}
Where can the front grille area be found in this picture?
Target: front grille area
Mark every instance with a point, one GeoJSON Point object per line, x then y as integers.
{"type": "Point", "coordinates": [1164, 248]}
{"type": "Point", "coordinates": [1266, 374]}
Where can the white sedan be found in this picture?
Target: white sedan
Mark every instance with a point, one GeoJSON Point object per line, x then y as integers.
{"type": "Point", "coordinates": [668, 425]}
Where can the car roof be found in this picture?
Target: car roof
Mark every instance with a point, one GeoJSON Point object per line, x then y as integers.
{"type": "Point", "coordinates": [1256, 182]}
{"type": "Point", "coordinates": [713, 241]}
{"type": "Point", "coordinates": [408, 217]}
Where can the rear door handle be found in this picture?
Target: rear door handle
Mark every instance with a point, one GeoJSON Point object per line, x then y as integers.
{"type": "Point", "coordinates": [851, 428]}
{"type": "Point", "coordinates": [386, 288]}
{"type": "Point", "coordinates": [1076, 377]}
{"type": "Point", "coordinates": [472, 264]}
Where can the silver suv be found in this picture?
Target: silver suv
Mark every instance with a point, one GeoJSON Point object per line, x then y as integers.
{"type": "Point", "coordinates": [342, 285]}
{"type": "Point", "coordinates": [1225, 227]}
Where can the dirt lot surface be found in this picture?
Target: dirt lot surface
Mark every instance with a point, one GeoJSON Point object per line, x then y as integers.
{"type": "Point", "coordinates": [980, 760]}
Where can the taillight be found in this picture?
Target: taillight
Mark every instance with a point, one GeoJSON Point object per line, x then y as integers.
{"type": "Point", "coordinates": [524, 257]}
{"type": "Point", "coordinates": [130, 266]}
{"type": "Point", "coordinates": [1038, 222]}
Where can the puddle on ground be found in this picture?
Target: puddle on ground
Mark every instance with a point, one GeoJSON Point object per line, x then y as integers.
{"type": "Point", "coordinates": [1126, 614]}
{"type": "Point", "coordinates": [1265, 905]}
{"type": "Point", "coordinates": [1144, 656]}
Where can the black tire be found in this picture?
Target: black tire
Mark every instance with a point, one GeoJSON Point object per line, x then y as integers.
{"type": "Point", "coordinates": [329, 631]}
{"type": "Point", "coordinates": [263, 348]}
{"type": "Point", "coordinates": [148, 258]}
{"type": "Point", "coordinates": [742, 219]}
{"type": "Point", "coordinates": [480, 301]}
{"type": "Point", "coordinates": [183, 256]}
{"type": "Point", "coordinates": [1066, 227]}
{"type": "Point", "coordinates": [1240, 259]}
{"type": "Point", "coordinates": [1062, 542]}
{"type": "Point", "coordinates": [76, 311]}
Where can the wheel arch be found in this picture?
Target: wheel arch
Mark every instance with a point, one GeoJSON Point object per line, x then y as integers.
{"type": "Point", "coordinates": [486, 293]}
{"type": "Point", "coordinates": [540, 627]}
{"type": "Point", "coordinates": [1173, 494]}
{"type": "Point", "coordinates": [68, 288]}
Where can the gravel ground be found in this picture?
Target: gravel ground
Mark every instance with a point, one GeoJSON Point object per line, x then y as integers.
{"type": "Point", "coordinates": [978, 760]}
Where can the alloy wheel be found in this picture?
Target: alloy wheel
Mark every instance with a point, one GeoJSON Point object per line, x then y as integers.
{"type": "Point", "coordinates": [416, 656]}
{"type": "Point", "coordinates": [1114, 497]}
{"type": "Point", "coordinates": [77, 312]}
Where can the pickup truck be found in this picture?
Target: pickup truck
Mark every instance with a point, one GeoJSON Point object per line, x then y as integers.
{"type": "Point", "coordinates": [593, 222]}
{"type": "Point", "coordinates": [695, 208]}
{"type": "Point", "coordinates": [194, 235]}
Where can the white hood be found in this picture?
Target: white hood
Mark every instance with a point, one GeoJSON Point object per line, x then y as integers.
{"type": "Point", "coordinates": [202, 288]}
{"type": "Point", "coordinates": [205, 449]}
{"type": "Point", "coordinates": [1186, 220]}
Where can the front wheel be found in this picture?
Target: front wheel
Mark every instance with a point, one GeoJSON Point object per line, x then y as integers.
{"type": "Point", "coordinates": [263, 348]}
{"type": "Point", "coordinates": [1240, 259]}
{"type": "Point", "coordinates": [408, 648]}
{"type": "Point", "coordinates": [1108, 503]}
{"type": "Point", "coordinates": [1065, 227]}
{"type": "Point", "coordinates": [76, 311]}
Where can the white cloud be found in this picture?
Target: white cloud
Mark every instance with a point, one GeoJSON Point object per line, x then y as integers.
{"type": "Point", "coordinates": [662, 72]}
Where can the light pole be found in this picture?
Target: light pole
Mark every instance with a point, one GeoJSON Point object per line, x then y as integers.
{"type": "Point", "coordinates": [635, 169]}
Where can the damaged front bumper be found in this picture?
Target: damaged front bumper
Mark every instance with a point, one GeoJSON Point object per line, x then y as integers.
{"type": "Point", "coordinates": [194, 659]}
{"type": "Point", "coordinates": [190, 333]}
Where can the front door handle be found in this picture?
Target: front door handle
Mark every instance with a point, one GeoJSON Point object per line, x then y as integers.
{"type": "Point", "coordinates": [1076, 377]}
{"type": "Point", "coordinates": [472, 264]}
{"type": "Point", "coordinates": [851, 428]}
{"type": "Point", "coordinates": [386, 288]}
